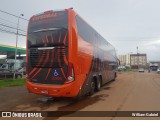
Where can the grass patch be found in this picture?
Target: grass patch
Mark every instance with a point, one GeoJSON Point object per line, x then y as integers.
{"type": "Point", "coordinates": [12, 82]}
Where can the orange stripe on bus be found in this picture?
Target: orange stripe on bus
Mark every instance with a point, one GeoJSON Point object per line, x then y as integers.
{"type": "Point", "coordinates": [39, 62]}
{"type": "Point", "coordinates": [52, 38]}
{"type": "Point", "coordinates": [32, 71]}
{"type": "Point", "coordinates": [64, 41]}
{"type": "Point", "coordinates": [59, 58]}
{"type": "Point", "coordinates": [65, 60]}
{"type": "Point", "coordinates": [59, 38]}
{"type": "Point", "coordinates": [52, 53]}
{"type": "Point", "coordinates": [46, 59]}
{"type": "Point", "coordinates": [36, 73]}
{"type": "Point", "coordinates": [63, 73]}
{"type": "Point", "coordinates": [48, 73]}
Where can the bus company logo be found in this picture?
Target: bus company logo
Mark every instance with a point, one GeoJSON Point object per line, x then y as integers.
{"type": "Point", "coordinates": [6, 114]}
{"type": "Point", "coordinates": [44, 16]}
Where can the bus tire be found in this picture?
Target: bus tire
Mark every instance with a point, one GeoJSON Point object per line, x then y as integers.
{"type": "Point", "coordinates": [92, 87]}
{"type": "Point", "coordinates": [115, 75]}
{"type": "Point", "coordinates": [98, 84]}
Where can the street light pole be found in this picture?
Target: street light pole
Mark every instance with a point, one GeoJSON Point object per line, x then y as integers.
{"type": "Point", "coordinates": [15, 59]}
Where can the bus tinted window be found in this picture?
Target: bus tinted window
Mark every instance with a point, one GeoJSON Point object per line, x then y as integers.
{"type": "Point", "coordinates": [85, 31]}
{"type": "Point", "coordinates": [55, 37]}
{"type": "Point", "coordinates": [90, 35]}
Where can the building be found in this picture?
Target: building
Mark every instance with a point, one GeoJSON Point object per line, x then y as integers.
{"type": "Point", "coordinates": [128, 59]}
{"type": "Point", "coordinates": [122, 59]}
{"type": "Point", "coordinates": [133, 60]}
{"type": "Point", "coordinates": [138, 60]}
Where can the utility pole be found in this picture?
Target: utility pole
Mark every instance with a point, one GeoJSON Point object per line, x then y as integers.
{"type": "Point", "coordinates": [15, 59]}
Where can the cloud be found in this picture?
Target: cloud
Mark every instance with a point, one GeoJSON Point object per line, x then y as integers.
{"type": "Point", "coordinates": [153, 43]}
{"type": "Point", "coordinates": [153, 46]}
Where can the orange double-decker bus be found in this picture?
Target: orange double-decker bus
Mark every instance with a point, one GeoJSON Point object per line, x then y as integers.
{"type": "Point", "coordinates": [66, 57]}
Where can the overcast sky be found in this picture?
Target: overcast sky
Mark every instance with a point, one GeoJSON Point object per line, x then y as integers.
{"type": "Point", "coordinates": [126, 24]}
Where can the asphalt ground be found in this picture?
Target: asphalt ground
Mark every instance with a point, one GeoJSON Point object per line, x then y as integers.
{"type": "Point", "coordinates": [131, 91]}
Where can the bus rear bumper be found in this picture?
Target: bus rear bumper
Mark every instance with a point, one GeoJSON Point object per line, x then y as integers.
{"type": "Point", "coordinates": [66, 90]}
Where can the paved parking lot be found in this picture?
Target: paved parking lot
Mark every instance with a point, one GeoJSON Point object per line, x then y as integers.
{"type": "Point", "coordinates": [132, 91]}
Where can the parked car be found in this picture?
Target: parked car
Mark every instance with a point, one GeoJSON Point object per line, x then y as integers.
{"type": "Point", "coordinates": [158, 70]}
{"type": "Point", "coordinates": [6, 73]}
{"type": "Point", "coordinates": [141, 70]}
{"type": "Point", "coordinates": [121, 68]}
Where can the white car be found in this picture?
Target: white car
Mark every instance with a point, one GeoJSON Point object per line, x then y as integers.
{"type": "Point", "coordinates": [141, 70]}
{"type": "Point", "coordinates": [158, 70]}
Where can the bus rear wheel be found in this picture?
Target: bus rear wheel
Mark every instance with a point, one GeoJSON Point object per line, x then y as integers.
{"type": "Point", "coordinates": [92, 87]}
{"type": "Point", "coordinates": [115, 75]}
{"type": "Point", "coordinates": [98, 84]}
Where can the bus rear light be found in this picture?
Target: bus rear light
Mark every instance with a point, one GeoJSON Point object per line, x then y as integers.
{"type": "Point", "coordinates": [70, 75]}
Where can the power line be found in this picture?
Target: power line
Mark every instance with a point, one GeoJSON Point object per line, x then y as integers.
{"type": "Point", "coordinates": [8, 21]}
{"type": "Point", "coordinates": [13, 15]}
{"type": "Point", "coordinates": [10, 32]}
{"type": "Point", "coordinates": [11, 27]}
